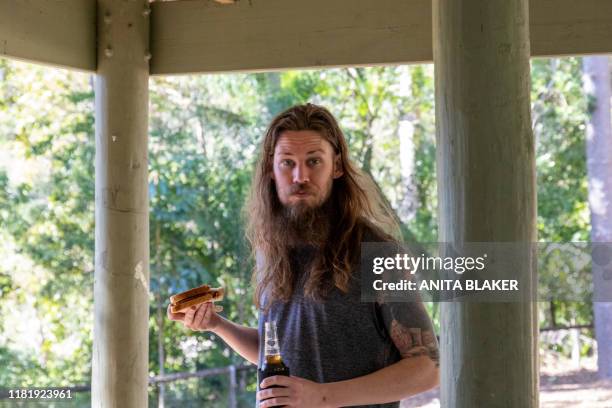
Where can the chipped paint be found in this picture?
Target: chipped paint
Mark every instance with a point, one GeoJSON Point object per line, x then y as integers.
{"type": "Point", "coordinates": [139, 275]}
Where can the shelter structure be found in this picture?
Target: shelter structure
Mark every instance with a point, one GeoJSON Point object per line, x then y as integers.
{"type": "Point", "coordinates": [486, 171]}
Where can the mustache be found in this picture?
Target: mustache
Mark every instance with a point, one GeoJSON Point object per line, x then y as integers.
{"type": "Point", "coordinates": [300, 188]}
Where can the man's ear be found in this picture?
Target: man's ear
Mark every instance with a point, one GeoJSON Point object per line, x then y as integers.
{"type": "Point", "coordinates": [338, 172]}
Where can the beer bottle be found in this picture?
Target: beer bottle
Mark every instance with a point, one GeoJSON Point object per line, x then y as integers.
{"type": "Point", "coordinates": [272, 363]}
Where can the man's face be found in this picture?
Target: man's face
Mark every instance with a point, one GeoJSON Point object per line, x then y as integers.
{"type": "Point", "coordinates": [304, 168]}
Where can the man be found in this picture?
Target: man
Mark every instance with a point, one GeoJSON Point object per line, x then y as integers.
{"type": "Point", "coordinates": [309, 210]}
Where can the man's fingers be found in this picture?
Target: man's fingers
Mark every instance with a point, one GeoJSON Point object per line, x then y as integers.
{"type": "Point", "coordinates": [175, 316]}
{"type": "Point", "coordinates": [189, 314]}
{"type": "Point", "coordinates": [273, 392]}
{"type": "Point", "coordinates": [275, 402]}
{"type": "Point", "coordinates": [200, 316]}
{"type": "Point", "coordinates": [281, 380]}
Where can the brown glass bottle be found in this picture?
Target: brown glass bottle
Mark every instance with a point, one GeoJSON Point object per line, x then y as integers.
{"type": "Point", "coordinates": [273, 363]}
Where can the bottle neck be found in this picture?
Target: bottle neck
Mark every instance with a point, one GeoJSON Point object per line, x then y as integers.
{"type": "Point", "coordinates": [274, 359]}
{"type": "Point", "coordinates": [271, 349]}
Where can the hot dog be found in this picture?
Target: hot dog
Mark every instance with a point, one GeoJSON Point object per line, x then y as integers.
{"type": "Point", "coordinates": [193, 297]}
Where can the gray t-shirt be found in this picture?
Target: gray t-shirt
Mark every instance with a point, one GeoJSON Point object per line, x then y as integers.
{"type": "Point", "coordinates": [340, 337]}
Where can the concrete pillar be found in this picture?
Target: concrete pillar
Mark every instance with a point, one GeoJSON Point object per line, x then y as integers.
{"type": "Point", "coordinates": [486, 184]}
{"type": "Point", "coordinates": [121, 286]}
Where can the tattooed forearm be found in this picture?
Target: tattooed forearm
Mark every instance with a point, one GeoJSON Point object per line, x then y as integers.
{"type": "Point", "coordinates": [412, 342]}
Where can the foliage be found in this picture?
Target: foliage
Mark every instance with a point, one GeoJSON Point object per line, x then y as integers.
{"type": "Point", "coordinates": [559, 116]}
{"type": "Point", "coordinates": [46, 215]}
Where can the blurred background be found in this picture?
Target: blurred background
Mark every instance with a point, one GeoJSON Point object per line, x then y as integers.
{"type": "Point", "coordinates": [204, 137]}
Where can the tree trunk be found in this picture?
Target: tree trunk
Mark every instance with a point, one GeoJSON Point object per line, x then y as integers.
{"type": "Point", "coordinates": [408, 199]}
{"type": "Point", "coordinates": [120, 366]}
{"type": "Point", "coordinates": [160, 351]}
{"type": "Point", "coordinates": [161, 317]}
{"type": "Point", "coordinates": [599, 170]}
{"type": "Point", "coordinates": [486, 189]}
{"type": "Point", "coordinates": [408, 205]}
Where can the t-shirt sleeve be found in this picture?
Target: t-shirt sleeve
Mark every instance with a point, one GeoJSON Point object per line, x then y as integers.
{"type": "Point", "coordinates": [410, 329]}
{"type": "Point", "coordinates": [406, 322]}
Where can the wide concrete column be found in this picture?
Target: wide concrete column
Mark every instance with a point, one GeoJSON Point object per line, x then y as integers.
{"type": "Point", "coordinates": [121, 286]}
{"type": "Point", "coordinates": [486, 185]}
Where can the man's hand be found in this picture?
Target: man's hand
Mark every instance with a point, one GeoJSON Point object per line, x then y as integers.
{"type": "Point", "coordinates": [198, 318]}
{"type": "Point", "coordinates": [295, 392]}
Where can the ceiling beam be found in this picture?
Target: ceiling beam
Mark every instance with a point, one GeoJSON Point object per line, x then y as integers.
{"type": "Point", "coordinates": [55, 32]}
{"type": "Point", "coordinates": [191, 36]}
{"type": "Point", "coordinates": [254, 35]}
{"type": "Point", "coordinates": [570, 27]}
{"type": "Point", "coordinates": [257, 35]}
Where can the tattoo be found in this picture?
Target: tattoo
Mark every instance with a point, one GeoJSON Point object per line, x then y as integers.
{"type": "Point", "coordinates": [412, 342]}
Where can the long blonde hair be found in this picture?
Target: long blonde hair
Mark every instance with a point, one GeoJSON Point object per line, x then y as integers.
{"type": "Point", "coordinates": [355, 201]}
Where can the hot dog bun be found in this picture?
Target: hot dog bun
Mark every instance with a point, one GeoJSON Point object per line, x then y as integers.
{"type": "Point", "coordinates": [192, 297]}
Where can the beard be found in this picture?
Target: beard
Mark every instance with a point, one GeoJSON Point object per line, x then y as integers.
{"type": "Point", "coordinates": [306, 225]}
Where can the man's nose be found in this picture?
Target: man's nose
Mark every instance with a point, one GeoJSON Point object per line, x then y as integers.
{"type": "Point", "coordinates": [301, 174]}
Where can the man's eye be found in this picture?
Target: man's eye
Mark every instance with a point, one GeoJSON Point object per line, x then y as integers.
{"type": "Point", "coordinates": [286, 163]}
{"type": "Point", "coordinates": [314, 162]}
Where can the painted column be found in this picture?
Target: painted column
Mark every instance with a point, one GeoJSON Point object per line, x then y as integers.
{"type": "Point", "coordinates": [121, 286]}
{"type": "Point", "coordinates": [486, 185]}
